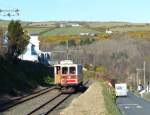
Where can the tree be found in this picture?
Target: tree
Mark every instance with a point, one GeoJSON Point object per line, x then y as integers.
{"type": "Point", "coordinates": [63, 43]}
{"type": "Point", "coordinates": [71, 42]}
{"type": "Point", "coordinates": [17, 39]}
{"type": "Point", "coordinates": [1, 42]}
{"type": "Point", "coordinates": [1, 35]}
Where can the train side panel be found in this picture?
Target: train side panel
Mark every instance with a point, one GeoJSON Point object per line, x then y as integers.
{"type": "Point", "coordinates": [80, 73]}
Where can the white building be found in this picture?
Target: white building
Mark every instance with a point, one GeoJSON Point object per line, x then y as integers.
{"type": "Point", "coordinates": [75, 25]}
{"type": "Point", "coordinates": [33, 52]}
{"type": "Point", "coordinates": [108, 31]}
{"type": "Point", "coordinates": [62, 25]}
{"type": "Point", "coordinates": [84, 34]}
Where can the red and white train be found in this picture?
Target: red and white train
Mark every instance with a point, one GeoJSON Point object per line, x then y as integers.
{"type": "Point", "coordinates": [68, 75]}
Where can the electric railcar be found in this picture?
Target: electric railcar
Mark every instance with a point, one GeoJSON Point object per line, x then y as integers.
{"type": "Point", "coordinates": [68, 75]}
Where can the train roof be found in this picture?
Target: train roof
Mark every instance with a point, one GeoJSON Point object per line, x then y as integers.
{"type": "Point", "coordinates": [66, 62]}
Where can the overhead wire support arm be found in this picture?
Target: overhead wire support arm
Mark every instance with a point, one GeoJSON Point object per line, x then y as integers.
{"type": "Point", "coordinates": [9, 12]}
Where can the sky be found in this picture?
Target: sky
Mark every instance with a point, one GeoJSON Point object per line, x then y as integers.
{"type": "Point", "coordinates": [80, 10]}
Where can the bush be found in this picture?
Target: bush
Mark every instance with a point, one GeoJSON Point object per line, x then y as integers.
{"type": "Point", "coordinates": [86, 41]}
{"type": "Point", "coordinates": [71, 42]}
{"type": "Point", "coordinates": [23, 76]}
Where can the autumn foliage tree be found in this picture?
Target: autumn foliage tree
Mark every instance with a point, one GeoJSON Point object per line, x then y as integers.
{"type": "Point", "coordinates": [1, 42]}
{"type": "Point", "coordinates": [1, 34]}
{"type": "Point", "coordinates": [17, 39]}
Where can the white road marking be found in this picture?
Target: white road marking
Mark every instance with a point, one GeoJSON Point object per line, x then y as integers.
{"type": "Point", "coordinates": [140, 107]}
{"type": "Point", "coordinates": [126, 107]}
{"type": "Point", "coordinates": [128, 104]}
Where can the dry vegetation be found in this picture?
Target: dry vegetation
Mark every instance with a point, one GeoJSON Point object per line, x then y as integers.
{"type": "Point", "coordinates": [57, 39]}
{"type": "Point", "coordinates": [120, 55]}
{"type": "Point", "coordinates": [140, 35]}
{"type": "Point", "coordinates": [77, 38]}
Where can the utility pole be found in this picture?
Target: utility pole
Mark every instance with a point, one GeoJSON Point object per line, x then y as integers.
{"type": "Point", "coordinates": [143, 69]}
{"type": "Point", "coordinates": [144, 75]}
{"type": "Point", "coordinates": [67, 51]}
{"type": "Point", "coordinates": [137, 78]}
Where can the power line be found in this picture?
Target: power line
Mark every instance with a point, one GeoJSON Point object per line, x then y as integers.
{"type": "Point", "coordinates": [9, 12]}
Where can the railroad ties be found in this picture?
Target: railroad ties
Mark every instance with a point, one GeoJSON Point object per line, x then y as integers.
{"type": "Point", "coordinates": [45, 108]}
{"type": "Point", "coordinates": [22, 99]}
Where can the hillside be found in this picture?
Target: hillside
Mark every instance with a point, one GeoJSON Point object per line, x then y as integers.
{"type": "Point", "coordinates": [69, 31]}
{"type": "Point", "coordinates": [93, 27]}
{"type": "Point", "coordinates": [23, 76]}
{"type": "Point", "coordinates": [120, 55]}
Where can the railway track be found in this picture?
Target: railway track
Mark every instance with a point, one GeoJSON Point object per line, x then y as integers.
{"type": "Point", "coordinates": [23, 99]}
{"type": "Point", "coordinates": [44, 108]}
{"type": "Point", "coordinates": [51, 104]}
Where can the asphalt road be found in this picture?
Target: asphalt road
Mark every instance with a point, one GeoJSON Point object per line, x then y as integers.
{"type": "Point", "coordinates": [133, 105]}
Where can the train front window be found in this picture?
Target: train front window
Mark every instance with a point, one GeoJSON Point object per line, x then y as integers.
{"type": "Point", "coordinates": [72, 70]}
{"type": "Point", "coordinates": [64, 70]}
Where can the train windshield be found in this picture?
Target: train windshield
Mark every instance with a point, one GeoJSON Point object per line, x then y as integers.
{"type": "Point", "coordinates": [72, 70]}
{"type": "Point", "coordinates": [64, 70]}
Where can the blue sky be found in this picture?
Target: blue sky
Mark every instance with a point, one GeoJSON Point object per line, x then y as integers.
{"type": "Point", "coordinates": [80, 10]}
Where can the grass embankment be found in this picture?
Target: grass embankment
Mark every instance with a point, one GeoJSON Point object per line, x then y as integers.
{"type": "Point", "coordinates": [110, 100]}
{"type": "Point", "coordinates": [23, 77]}
{"type": "Point", "coordinates": [109, 94]}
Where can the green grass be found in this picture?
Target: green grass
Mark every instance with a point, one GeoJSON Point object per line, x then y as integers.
{"type": "Point", "coordinates": [69, 31]}
{"type": "Point", "coordinates": [110, 101]}
{"type": "Point", "coordinates": [35, 29]}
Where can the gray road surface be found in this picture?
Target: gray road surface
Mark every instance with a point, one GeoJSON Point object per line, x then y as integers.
{"type": "Point", "coordinates": [133, 105]}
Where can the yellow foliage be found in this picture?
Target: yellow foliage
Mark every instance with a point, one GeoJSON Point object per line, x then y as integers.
{"type": "Point", "coordinates": [77, 38]}
{"type": "Point", "coordinates": [101, 69]}
{"type": "Point", "coordinates": [143, 35]}
{"type": "Point", "coordinates": [59, 38]}
{"type": "Point", "coordinates": [103, 36]}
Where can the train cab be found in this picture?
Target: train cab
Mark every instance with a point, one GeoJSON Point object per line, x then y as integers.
{"type": "Point", "coordinates": [68, 74]}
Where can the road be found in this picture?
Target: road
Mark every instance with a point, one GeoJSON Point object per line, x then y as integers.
{"type": "Point", "coordinates": [133, 105]}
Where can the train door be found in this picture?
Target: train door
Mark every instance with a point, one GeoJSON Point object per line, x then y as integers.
{"type": "Point", "coordinates": [57, 74]}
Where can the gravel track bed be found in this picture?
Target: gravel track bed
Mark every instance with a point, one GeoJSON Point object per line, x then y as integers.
{"type": "Point", "coordinates": [50, 105]}
{"type": "Point", "coordinates": [67, 102]}
{"type": "Point", "coordinates": [64, 104]}
{"type": "Point", "coordinates": [4, 99]}
{"type": "Point", "coordinates": [28, 106]}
